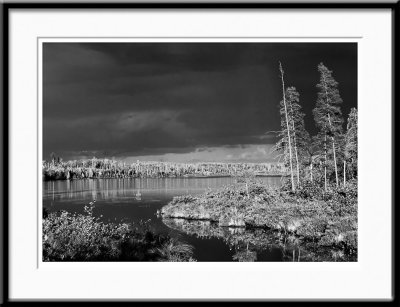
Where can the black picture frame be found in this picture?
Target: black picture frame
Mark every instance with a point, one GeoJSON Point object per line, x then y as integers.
{"type": "Point", "coordinates": [5, 171]}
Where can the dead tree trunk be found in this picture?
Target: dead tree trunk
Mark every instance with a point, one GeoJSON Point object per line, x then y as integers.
{"type": "Point", "coordinates": [344, 173]}
{"type": "Point", "coordinates": [334, 153]}
{"type": "Point", "coordinates": [287, 127]}
{"type": "Point", "coordinates": [295, 148]}
{"type": "Point", "coordinates": [326, 188]}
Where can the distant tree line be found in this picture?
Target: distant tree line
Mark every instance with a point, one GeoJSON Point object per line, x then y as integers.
{"type": "Point", "coordinates": [329, 157]}
{"type": "Point", "coordinates": [106, 168]}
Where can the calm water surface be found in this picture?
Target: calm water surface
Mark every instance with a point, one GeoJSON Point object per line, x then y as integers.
{"type": "Point", "coordinates": [132, 200]}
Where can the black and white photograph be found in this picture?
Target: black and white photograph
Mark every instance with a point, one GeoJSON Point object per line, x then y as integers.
{"type": "Point", "coordinates": [199, 151]}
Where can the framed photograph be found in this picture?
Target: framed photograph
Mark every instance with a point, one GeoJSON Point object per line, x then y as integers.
{"type": "Point", "coordinates": [182, 151]}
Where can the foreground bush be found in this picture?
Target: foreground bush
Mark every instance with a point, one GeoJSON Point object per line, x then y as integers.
{"type": "Point", "coordinates": [82, 237]}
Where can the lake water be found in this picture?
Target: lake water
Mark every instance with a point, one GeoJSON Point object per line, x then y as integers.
{"type": "Point", "coordinates": [133, 200]}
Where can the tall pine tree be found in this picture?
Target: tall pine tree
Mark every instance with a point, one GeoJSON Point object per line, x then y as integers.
{"type": "Point", "coordinates": [299, 135]}
{"type": "Point", "coordinates": [328, 118]}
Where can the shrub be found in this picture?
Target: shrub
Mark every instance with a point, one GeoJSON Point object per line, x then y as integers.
{"type": "Point", "coordinates": [82, 237]}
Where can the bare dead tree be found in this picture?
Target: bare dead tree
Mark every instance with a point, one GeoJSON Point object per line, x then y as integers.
{"type": "Point", "coordinates": [287, 126]}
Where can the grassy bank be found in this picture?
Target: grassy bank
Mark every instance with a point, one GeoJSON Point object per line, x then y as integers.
{"type": "Point", "coordinates": [311, 214]}
{"type": "Point", "coordinates": [82, 237]}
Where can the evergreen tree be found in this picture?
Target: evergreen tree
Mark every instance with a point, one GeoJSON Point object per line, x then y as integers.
{"type": "Point", "coordinates": [300, 136]}
{"type": "Point", "coordinates": [329, 120]}
{"type": "Point", "coordinates": [53, 158]}
{"type": "Point", "coordinates": [351, 147]}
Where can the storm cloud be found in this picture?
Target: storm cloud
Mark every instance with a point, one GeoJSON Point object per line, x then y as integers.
{"type": "Point", "coordinates": [176, 100]}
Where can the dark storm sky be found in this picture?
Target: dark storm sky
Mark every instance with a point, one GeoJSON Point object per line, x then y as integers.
{"type": "Point", "coordinates": [180, 101]}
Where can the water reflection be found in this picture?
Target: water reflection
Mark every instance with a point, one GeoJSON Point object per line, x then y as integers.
{"type": "Point", "coordinates": [254, 244]}
{"type": "Point", "coordinates": [137, 188]}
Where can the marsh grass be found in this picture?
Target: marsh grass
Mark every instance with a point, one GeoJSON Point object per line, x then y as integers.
{"type": "Point", "coordinates": [174, 251]}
